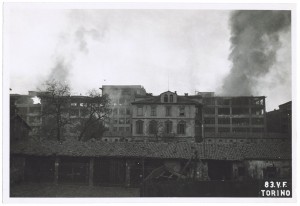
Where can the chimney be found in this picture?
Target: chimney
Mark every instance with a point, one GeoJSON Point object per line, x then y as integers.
{"type": "Point", "coordinates": [186, 94]}
{"type": "Point", "coordinates": [175, 92]}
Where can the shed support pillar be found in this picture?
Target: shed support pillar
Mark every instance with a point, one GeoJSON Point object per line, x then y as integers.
{"type": "Point", "coordinates": [127, 173]}
{"type": "Point", "coordinates": [91, 172]}
{"type": "Point", "coordinates": [56, 166]}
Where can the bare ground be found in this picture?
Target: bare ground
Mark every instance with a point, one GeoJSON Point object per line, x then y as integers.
{"type": "Point", "coordinates": [64, 190]}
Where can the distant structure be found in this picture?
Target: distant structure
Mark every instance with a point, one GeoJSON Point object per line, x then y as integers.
{"type": "Point", "coordinates": [139, 116]}
{"type": "Point", "coordinates": [29, 109]}
{"type": "Point", "coordinates": [19, 129]}
{"type": "Point", "coordinates": [167, 117]}
{"type": "Point", "coordinates": [280, 120]}
{"type": "Point", "coordinates": [201, 136]}
{"type": "Point", "coordinates": [227, 118]}
{"type": "Point", "coordinates": [121, 96]}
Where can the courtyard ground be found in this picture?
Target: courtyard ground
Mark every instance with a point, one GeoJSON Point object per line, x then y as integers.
{"type": "Point", "coordinates": [64, 190]}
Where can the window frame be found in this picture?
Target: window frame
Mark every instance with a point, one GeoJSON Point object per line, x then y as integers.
{"type": "Point", "coordinates": [153, 127]}
{"type": "Point", "coordinates": [166, 98]}
{"type": "Point", "coordinates": [181, 127]}
{"type": "Point", "coordinates": [181, 108]}
{"type": "Point", "coordinates": [139, 127]}
{"type": "Point", "coordinates": [153, 112]}
{"type": "Point", "coordinates": [168, 127]}
{"type": "Point", "coordinates": [168, 111]}
{"type": "Point", "coordinates": [139, 110]}
{"type": "Point", "coordinates": [171, 98]}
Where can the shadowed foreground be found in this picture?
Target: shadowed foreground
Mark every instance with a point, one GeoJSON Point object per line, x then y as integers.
{"type": "Point", "coordinates": [62, 190]}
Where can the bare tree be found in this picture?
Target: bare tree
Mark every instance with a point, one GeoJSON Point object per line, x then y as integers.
{"type": "Point", "coordinates": [96, 111]}
{"type": "Point", "coordinates": [157, 130]}
{"type": "Point", "coordinates": [55, 97]}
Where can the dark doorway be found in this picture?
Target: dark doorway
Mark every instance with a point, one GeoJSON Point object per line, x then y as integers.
{"type": "Point", "coordinates": [219, 169]}
{"type": "Point", "coordinates": [109, 171]}
{"type": "Point", "coordinates": [140, 169]}
{"type": "Point", "coordinates": [73, 170]}
{"type": "Point", "coordinates": [270, 172]}
{"type": "Point", "coordinates": [151, 164]}
{"type": "Point", "coordinates": [136, 173]}
{"type": "Point", "coordinates": [39, 169]}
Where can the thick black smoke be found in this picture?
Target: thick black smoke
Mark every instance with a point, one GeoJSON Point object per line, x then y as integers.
{"type": "Point", "coordinates": [255, 40]}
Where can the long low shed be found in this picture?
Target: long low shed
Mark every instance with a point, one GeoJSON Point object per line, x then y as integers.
{"type": "Point", "coordinates": [181, 150]}
{"type": "Point", "coordinates": [128, 163]}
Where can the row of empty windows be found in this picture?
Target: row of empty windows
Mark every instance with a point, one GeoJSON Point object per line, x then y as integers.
{"type": "Point", "coordinates": [121, 121]}
{"type": "Point", "coordinates": [154, 127]}
{"type": "Point", "coordinates": [83, 104]}
{"type": "Point", "coordinates": [235, 121]}
{"type": "Point", "coordinates": [79, 104]}
{"type": "Point", "coordinates": [234, 130]}
{"type": "Point", "coordinates": [121, 111]}
{"type": "Point", "coordinates": [168, 111]}
{"type": "Point", "coordinates": [234, 111]}
{"type": "Point", "coordinates": [233, 101]}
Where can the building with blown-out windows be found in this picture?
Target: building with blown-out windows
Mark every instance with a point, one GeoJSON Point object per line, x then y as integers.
{"type": "Point", "coordinates": [167, 117]}
{"type": "Point", "coordinates": [121, 96]}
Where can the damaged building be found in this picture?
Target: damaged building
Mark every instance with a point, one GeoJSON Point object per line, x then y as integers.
{"type": "Point", "coordinates": [230, 119]}
{"type": "Point", "coordinates": [203, 138]}
{"type": "Point", "coordinates": [120, 123]}
{"type": "Point", "coordinates": [203, 117]}
{"type": "Point", "coordinates": [29, 108]}
{"type": "Point", "coordinates": [140, 116]}
{"type": "Point", "coordinates": [35, 107]}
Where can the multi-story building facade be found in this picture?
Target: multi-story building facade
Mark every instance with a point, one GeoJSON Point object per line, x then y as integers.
{"type": "Point", "coordinates": [139, 116]}
{"type": "Point", "coordinates": [228, 117]}
{"type": "Point", "coordinates": [34, 111]}
{"type": "Point", "coordinates": [219, 118]}
{"type": "Point", "coordinates": [29, 108]}
{"type": "Point", "coordinates": [121, 96]}
{"type": "Point", "coordinates": [167, 117]}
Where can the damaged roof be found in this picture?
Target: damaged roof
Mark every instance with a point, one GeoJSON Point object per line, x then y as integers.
{"type": "Point", "coordinates": [175, 150]}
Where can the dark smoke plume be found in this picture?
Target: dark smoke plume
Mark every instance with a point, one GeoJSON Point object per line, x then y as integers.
{"type": "Point", "coordinates": [255, 40]}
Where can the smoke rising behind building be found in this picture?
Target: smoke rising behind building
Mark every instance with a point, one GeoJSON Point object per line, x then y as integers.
{"type": "Point", "coordinates": [255, 44]}
{"type": "Point", "coordinates": [179, 50]}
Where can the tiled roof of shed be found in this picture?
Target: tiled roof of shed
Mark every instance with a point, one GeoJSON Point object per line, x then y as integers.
{"type": "Point", "coordinates": [182, 150]}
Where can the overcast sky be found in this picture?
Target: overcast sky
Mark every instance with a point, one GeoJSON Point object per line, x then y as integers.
{"type": "Point", "coordinates": [179, 50]}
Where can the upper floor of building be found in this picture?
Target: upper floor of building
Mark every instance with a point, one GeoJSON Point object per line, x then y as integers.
{"type": "Point", "coordinates": [167, 105]}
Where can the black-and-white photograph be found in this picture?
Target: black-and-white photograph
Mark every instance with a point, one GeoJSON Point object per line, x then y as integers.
{"type": "Point", "coordinates": [122, 101]}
